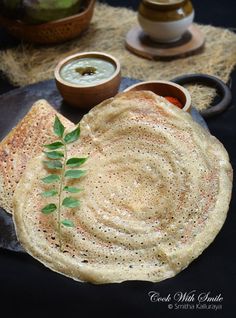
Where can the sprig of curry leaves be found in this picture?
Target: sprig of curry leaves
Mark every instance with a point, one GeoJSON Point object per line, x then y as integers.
{"type": "Point", "coordinates": [61, 170]}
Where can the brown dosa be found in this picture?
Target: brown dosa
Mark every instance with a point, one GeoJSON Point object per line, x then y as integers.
{"type": "Point", "coordinates": [23, 143]}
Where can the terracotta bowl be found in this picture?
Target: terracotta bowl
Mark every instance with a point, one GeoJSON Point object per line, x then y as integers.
{"type": "Point", "coordinates": [85, 97]}
{"type": "Point", "coordinates": [165, 88]}
{"type": "Point", "coordinates": [51, 32]}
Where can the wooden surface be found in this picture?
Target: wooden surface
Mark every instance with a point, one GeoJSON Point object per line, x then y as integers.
{"type": "Point", "coordinates": [140, 44]}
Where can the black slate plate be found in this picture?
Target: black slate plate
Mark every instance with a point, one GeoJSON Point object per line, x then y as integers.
{"type": "Point", "coordinates": [14, 106]}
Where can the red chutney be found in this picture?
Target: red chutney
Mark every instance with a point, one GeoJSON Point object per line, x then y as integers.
{"type": "Point", "coordinates": [174, 101]}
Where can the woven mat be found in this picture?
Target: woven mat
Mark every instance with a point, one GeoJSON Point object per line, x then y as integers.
{"type": "Point", "coordinates": [27, 64]}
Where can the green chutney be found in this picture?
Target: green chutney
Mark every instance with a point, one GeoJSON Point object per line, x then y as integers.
{"type": "Point", "coordinates": [87, 71]}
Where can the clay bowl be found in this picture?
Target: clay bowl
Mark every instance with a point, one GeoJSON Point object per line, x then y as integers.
{"type": "Point", "coordinates": [87, 96]}
{"type": "Point", "coordinates": [57, 31]}
{"type": "Point", "coordinates": [165, 88]}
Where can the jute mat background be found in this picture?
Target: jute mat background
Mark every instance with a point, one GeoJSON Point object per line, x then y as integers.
{"type": "Point", "coordinates": [28, 64]}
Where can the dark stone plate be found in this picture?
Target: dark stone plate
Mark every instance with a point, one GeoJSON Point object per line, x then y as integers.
{"type": "Point", "coordinates": [14, 106]}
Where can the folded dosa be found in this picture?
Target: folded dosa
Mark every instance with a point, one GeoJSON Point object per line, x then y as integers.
{"type": "Point", "coordinates": [156, 193]}
{"type": "Point", "coordinates": [23, 143]}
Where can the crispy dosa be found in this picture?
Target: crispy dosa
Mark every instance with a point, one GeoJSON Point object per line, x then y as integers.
{"type": "Point", "coordinates": [23, 143]}
{"type": "Point", "coordinates": [156, 193]}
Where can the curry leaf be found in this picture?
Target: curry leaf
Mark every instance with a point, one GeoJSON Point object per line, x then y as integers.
{"type": "Point", "coordinates": [54, 145]}
{"type": "Point", "coordinates": [75, 174]}
{"type": "Point", "coordinates": [70, 202]}
{"type": "Point", "coordinates": [67, 223]}
{"type": "Point", "coordinates": [57, 153]}
{"type": "Point", "coordinates": [58, 128]}
{"type": "Point", "coordinates": [49, 193]}
{"type": "Point", "coordinates": [50, 208]}
{"type": "Point", "coordinates": [54, 154]}
{"type": "Point", "coordinates": [56, 164]}
{"type": "Point", "coordinates": [72, 136]}
{"type": "Point", "coordinates": [72, 189]}
{"type": "Point", "coordinates": [52, 178]}
{"type": "Point", "coordinates": [75, 162]}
